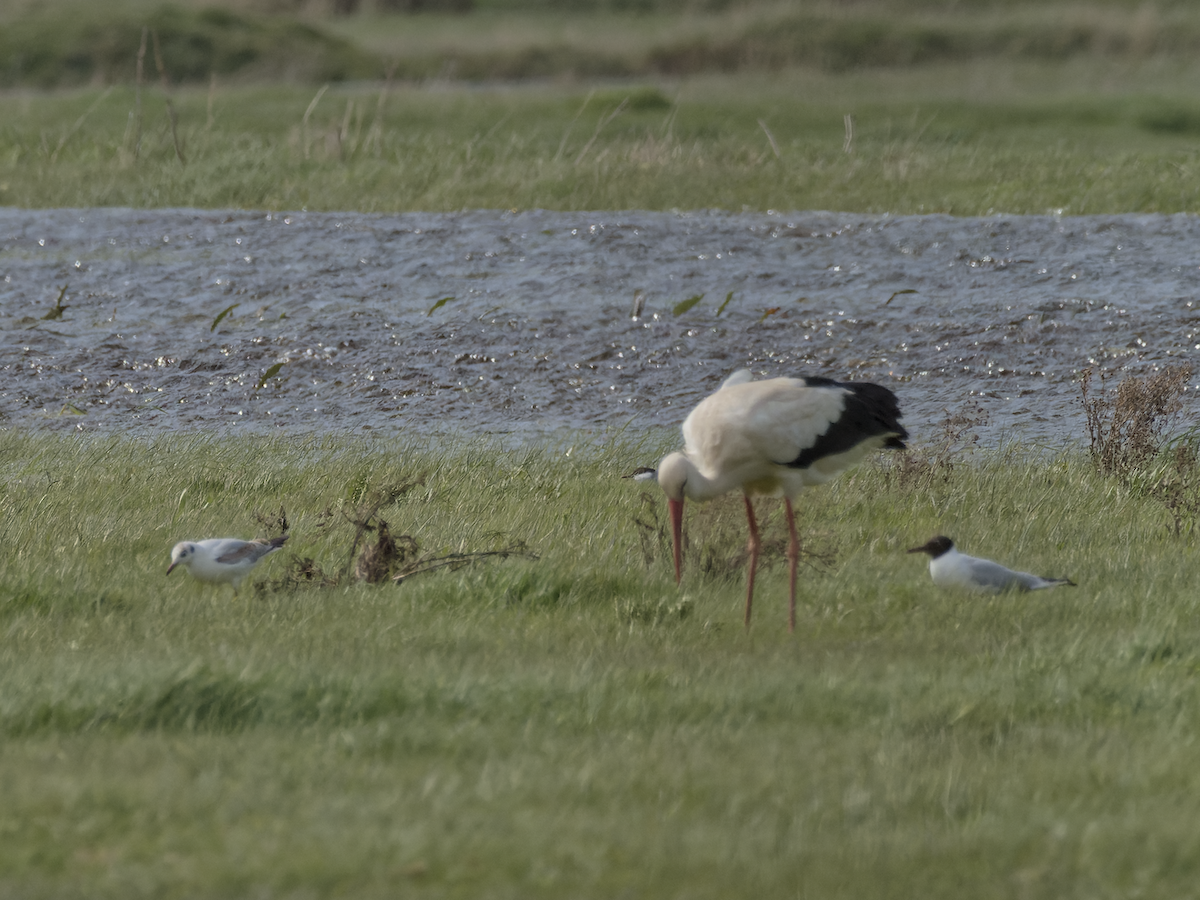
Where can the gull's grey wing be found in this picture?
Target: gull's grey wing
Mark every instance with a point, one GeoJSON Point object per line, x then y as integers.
{"type": "Point", "coordinates": [248, 551]}
{"type": "Point", "coordinates": [992, 575]}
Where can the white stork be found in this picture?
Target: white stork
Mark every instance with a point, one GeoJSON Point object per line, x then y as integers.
{"type": "Point", "coordinates": [775, 437]}
{"type": "Point", "coordinates": [218, 560]}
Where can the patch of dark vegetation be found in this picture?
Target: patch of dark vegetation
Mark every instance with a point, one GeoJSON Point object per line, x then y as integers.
{"type": "Point", "coordinates": [1132, 438]}
{"type": "Point", "coordinates": [21, 600]}
{"type": "Point", "coordinates": [88, 44]}
{"type": "Point", "coordinates": [1164, 119]}
{"type": "Point", "coordinates": [71, 43]}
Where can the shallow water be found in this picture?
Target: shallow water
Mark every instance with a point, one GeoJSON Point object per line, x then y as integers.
{"type": "Point", "coordinates": [539, 335]}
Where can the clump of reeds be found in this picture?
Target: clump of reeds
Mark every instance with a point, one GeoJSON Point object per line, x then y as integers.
{"type": "Point", "coordinates": [1131, 435]}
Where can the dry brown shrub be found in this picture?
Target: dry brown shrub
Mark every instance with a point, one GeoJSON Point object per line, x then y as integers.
{"type": "Point", "coordinates": [1129, 429]}
{"type": "Point", "coordinates": [1131, 435]}
{"type": "Point", "coordinates": [922, 467]}
{"type": "Point", "coordinates": [386, 558]}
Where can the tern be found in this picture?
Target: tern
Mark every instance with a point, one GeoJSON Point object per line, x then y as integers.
{"type": "Point", "coordinates": [774, 437]}
{"type": "Point", "coordinates": [953, 569]}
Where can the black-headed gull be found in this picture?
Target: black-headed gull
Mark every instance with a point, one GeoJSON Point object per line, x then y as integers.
{"type": "Point", "coordinates": [952, 569]}
{"type": "Point", "coordinates": [218, 560]}
{"type": "Point", "coordinates": [775, 437]}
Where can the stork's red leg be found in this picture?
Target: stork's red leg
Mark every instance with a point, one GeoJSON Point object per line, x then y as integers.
{"type": "Point", "coordinates": [793, 562]}
{"type": "Point", "coordinates": [753, 548]}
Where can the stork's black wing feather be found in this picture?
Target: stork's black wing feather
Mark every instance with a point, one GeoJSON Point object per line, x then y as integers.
{"type": "Point", "coordinates": [871, 411]}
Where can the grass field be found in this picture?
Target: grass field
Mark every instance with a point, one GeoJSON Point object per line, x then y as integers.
{"type": "Point", "coordinates": [870, 107]}
{"type": "Point", "coordinates": [962, 139]}
{"type": "Point", "coordinates": [576, 725]}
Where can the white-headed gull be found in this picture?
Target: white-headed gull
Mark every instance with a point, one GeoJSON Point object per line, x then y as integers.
{"type": "Point", "coordinates": [775, 437]}
{"type": "Point", "coordinates": [953, 569]}
{"type": "Point", "coordinates": [218, 560]}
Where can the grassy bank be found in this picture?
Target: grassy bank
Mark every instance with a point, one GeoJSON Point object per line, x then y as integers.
{"type": "Point", "coordinates": [961, 139]}
{"type": "Point", "coordinates": [576, 725]}
{"type": "Point", "coordinates": [71, 42]}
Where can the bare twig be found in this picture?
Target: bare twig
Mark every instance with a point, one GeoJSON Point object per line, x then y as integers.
{"type": "Point", "coordinates": [458, 560]}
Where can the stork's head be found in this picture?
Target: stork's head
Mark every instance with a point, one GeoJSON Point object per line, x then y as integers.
{"type": "Point", "coordinates": [181, 554]}
{"type": "Point", "coordinates": [673, 475]}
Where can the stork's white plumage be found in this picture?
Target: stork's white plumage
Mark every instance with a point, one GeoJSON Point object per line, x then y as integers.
{"type": "Point", "coordinates": [775, 437]}
{"type": "Point", "coordinates": [222, 560]}
{"type": "Point", "coordinates": [952, 569]}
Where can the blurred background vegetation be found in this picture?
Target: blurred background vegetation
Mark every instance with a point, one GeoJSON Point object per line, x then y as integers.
{"type": "Point", "coordinates": [59, 43]}
{"type": "Point", "coordinates": [905, 106]}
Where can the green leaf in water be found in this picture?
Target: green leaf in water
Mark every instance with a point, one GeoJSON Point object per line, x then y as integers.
{"type": "Point", "coordinates": [438, 305]}
{"type": "Point", "coordinates": [684, 305]}
{"type": "Point", "coordinates": [770, 312]}
{"type": "Point", "coordinates": [721, 308]}
{"type": "Point", "coordinates": [270, 373]}
{"type": "Point", "coordinates": [222, 314]}
{"type": "Point", "coordinates": [57, 311]}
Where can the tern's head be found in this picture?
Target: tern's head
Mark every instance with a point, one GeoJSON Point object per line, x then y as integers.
{"type": "Point", "coordinates": [935, 546]}
{"type": "Point", "coordinates": [181, 554]}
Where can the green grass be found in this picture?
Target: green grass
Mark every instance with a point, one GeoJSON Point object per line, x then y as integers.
{"type": "Point", "coordinates": [968, 109]}
{"type": "Point", "coordinates": [578, 725]}
{"type": "Point", "coordinates": [962, 139]}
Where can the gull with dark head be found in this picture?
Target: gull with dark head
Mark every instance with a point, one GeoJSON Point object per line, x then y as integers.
{"type": "Point", "coordinates": [953, 569]}
{"type": "Point", "coordinates": [222, 560]}
{"type": "Point", "coordinates": [772, 438]}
